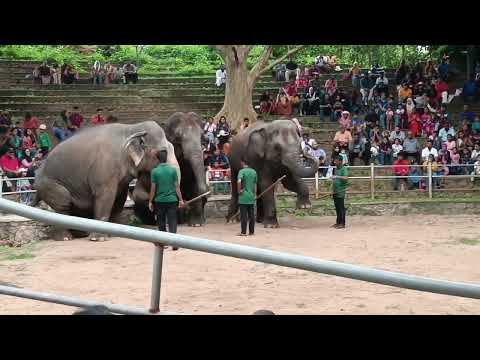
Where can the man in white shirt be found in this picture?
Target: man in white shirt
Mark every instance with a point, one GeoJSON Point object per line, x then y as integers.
{"type": "Point", "coordinates": [221, 75]}
{"type": "Point", "coordinates": [429, 150]}
{"type": "Point", "coordinates": [397, 134]}
{"type": "Point", "coordinates": [306, 142]}
{"type": "Point", "coordinates": [444, 132]}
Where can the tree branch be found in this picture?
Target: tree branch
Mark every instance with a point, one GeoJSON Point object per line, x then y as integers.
{"type": "Point", "coordinates": [280, 59]}
{"type": "Point", "coordinates": [221, 49]}
{"type": "Point", "coordinates": [262, 62]}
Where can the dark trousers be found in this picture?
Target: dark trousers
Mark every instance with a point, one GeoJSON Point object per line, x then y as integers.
{"type": "Point", "coordinates": [131, 78]}
{"type": "Point", "coordinates": [246, 215]}
{"type": "Point", "coordinates": [167, 213]}
{"type": "Point", "coordinates": [340, 209]}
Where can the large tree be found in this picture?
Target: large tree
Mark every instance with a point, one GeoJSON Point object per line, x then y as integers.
{"type": "Point", "coordinates": [241, 80]}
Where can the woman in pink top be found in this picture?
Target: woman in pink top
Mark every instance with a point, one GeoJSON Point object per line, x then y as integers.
{"type": "Point", "coordinates": [455, 161]}
{"type": "Point", "coordinates": [331, 86]}
{"type": "Point", "coordinates": [451, 143]}
{"type": "Point", "coordinates": [345, 120]}
{"type": "Point", "coordinates": [28, 140]}
{"type": "Point", "coordinates": [27, 159]}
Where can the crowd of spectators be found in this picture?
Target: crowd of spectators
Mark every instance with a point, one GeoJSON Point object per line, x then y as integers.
{"type": "Point", "coordinates": [46, 74]}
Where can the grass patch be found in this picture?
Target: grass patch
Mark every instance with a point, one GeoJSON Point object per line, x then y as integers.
{"type": "Point", "coordinates": [18, 253]}
{"type": "Point", "coordinates": [467, 241]}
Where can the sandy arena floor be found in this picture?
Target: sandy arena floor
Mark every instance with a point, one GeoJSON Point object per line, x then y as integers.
{"type": "Point", "coordinates": [119, 270]}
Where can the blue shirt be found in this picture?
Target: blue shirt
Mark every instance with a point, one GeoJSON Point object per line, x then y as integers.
{"type": "Point", "coordinates": [469, 115]}
{"type": "Point", "coordinates": [470, 88]}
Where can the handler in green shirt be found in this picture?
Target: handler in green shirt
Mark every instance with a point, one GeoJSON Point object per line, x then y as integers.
{"type": "Point", "coordinates": [165, 193]}
{"type": "Point", "coordinates": [340, 183]}
{"type": "Point", "coordinates": [247, 190]}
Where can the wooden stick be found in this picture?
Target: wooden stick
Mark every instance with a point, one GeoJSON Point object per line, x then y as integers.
{"type": "Point", "coordinates": [196, 198]}
{"type": "Point", "coordinates": [260, 195]}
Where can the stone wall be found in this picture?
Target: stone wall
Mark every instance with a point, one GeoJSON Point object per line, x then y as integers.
{"type": "Point", "coordinates": [17, 231]}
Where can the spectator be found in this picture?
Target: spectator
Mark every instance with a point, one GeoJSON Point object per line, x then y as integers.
{"type": "Point", "coordinates": [429, 150]}
{"type": "Point", "coordinates": [31, 122]}
{"type": "Point", "coordinates": [119, 75]}
{"type": "Point", "coordinates": [429, 70]}
{"type": "Point", "coordinates": [245, 124]}
{"type": "Point", "coordinates": [455, 162]}
{"type": "Point", "coordinates": [355, 74]}
{"type": "Point", "coordinates": [381, 84]}
{"type": "Point", "coordinates": [414, 180]}
{"type": "Point", "coordinates": [223, 131]}
{"type": "Point", "coordinates": [467, 114]}
{"type": "Point", "coordinates": [343, 137]}
{"type": "Point", "coordinates": [441, 87]}
{"type": "Point", "coordinates": [401, 117]}
{"type": "Point", "coordinates": [219, 174]}
{"type": "Point", "coordinates": [310, 104]}
{"type": "Point", "coordinates": [385, 154]}
{"type": "Point", "coordinates": [219, 157]}
{"type": "Point", "coordinates": [98, 73]}
{"type": "Point", "coordinates": [410, 147]}
{"type": "Point", "coordinates": [365, 86]}
{"type": "Point", "coordinates": [62, 126]}
{"type": "Point", "coordinates": [400, 168]}
{"type": "Point", "coordinates": [44, 142]}
{"type": "Point", "coordinates": [428, 127]}
{"type": "Point", "coordinates": [470, 90]}
{"type": "Point", "coordinates": [410, 106]}
{"type": "Point", "coordinates": [28, 140]}
{"type": "Point", "coordinates": [266, 103]}
{"type": "Point", "coordinates": [220, 77]}
{"type": "Point", "coordinates": [5, 122]}
{"type": "Point", "coordinates": [345, 120]}
{"type": "Point", "coordinates": [435, 169]}
{"type": "Point", "coordinates": [76, 120]}
{"type": "Point", "coordinates": [45, 73]}
{"type": "Point", "coordinates": [279, 72]}
{"type": "Point", "coordinates": [36, 75]}
{"type": "Point", "coordinates": [69, 75]}
{"type": "Point", "coordinates": [331, 86]}
{"type": "Point", "coordinates": [443, 68]}
{"type": "Point", "coordinates": [283, 104]}
{"type": "Point", "coordinates": [306, 143]}
{"type": "Point", "coordinates": [476, 170]}
{"type": "Point", "coordinates": [291, 67]}
{"type": "Point", "coordinates": [302, 77]}
{"type": "Point", "coordinates": [56, 74]}
{"type": "Point", "coordinates": [10, 166]}
{"type": "Point", "coordinates": [130, 73]}
{"type": "Point", "coordinates": [98, 118]}
{"type": "Point", "coordinates": [401, 73]}
{"type": "Point", "coordinates": [476, 128]}
{"type": "Point", "coordinates": [414, 124]}
{"type": "Point", "coordinates": [210, 130]}
{"type": "Point", "coordinates": [319, 153]}
{"type": "Point", "coordinates": [475, 152]}
{"type": "Point", "coordinates": [357, 148]}
{"type": "Point", "coordinates": [397, 148]}
{"type": "Point", "coordinates": [445, 131]}
{"type": "Point", "coordinates": [110, 73]}
{"type": "Point", "coordinates": [337, 109]}
{"type": "Point", "coordinates": [375, 135]}
{"type": "Point", "coordinates": [390, 115]}
{"type": "Point", "coordinates": [397, 134]}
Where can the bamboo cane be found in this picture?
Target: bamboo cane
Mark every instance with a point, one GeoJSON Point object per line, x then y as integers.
{"type": "Point", "coordinates": [196, 198]}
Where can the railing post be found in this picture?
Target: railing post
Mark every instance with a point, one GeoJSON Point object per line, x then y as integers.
{"type": "Point", "coordinates": [316, 185]}
{"type": "Point", "coordinates": [1, 187]}
{"type": "Point", "coordinates": [156, 279]}
{"type": "Point", "coordinates": [430, 180]}
{"type": "Point", "coordinates": [372, 181]}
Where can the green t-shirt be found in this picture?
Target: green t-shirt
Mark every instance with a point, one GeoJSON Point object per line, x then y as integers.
{"type": "Point", "coordinates": [164, 177]}
{"type": "Point", "coordinates": [44, 141]}
{"type": "Point", "coordinates": [248, 177]}
{"type": "Point", "coordinates": [476, 127]}
{"type": "Point", "coordinates": [340, 185]}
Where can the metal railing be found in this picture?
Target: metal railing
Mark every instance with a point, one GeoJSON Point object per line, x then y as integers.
{"type": "Point", "coordinates": [430, 177]}
{"type": "Point", "coordinates": [161, 239]}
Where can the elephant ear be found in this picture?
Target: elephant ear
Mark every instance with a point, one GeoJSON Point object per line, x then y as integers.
{"type": "Point", "coordinates": [135, 147]}
{"type": "Point", "coordinates": [256, 144]}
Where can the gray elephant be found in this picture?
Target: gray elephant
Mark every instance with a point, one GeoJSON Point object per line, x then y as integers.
{"type": "Point", "coordinates": [273, 150]}
{"type": "Point", "coordinates": [184, 131]}
{"type": "Point", "coordinates": [88, 174]}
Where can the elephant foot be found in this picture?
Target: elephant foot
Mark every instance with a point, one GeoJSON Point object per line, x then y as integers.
{"type": "Point", "coordinates": [303, 204]}
{"type": "Point", "coordinates": [98, 237]}
{"type": "Point", "coordinates": [63, 235]}
{"type": "Point", "coordinates": [270, 223]}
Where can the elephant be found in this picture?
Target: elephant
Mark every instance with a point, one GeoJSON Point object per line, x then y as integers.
{"type": "Point", "coordinates": [273, 150]}
{"type": "Point", "coordinates": [88, 174]}
{"type": "Point", "coordinates": [184, 131]}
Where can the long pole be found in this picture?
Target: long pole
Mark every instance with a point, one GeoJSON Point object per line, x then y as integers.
{"type": "Point", "coordinates": [261, 194]}
{"type": "Point", "coordinates": [196, 198]}
{"type": "Point", "coordinates": [430, 180]}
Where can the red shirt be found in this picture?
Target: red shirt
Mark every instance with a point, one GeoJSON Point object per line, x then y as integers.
{"type": "Point", "coordinates": [33, 123]}
{"type": "Point", "coordinates": [400, 167]}
{"type": "Point", "coordinates": [9, 163]}
{"type": "Point", "coordinates": [27, 142]}
{"type": "Point", "coordinates": [98, 119]}
{"type": "Point", "coordinates": [440, 87]}
{"type": "Point", "coordinates": [414, 125]}
{"type": "Point", "coordinates": [76, 120]}
{"type": "Point", "coordinates": [284, 109]}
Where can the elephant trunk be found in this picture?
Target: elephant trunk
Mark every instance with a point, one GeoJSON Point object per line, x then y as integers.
{"type": "Point", "coordinates": [294, 163]}
{"type": "Point", "coordinates": [196, 162]}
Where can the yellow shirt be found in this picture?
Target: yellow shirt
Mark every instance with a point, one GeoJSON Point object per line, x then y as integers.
{"type": "Point", "coordinates": [405, 93]}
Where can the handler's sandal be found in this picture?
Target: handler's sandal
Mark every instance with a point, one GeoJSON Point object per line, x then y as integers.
{"type": "Point", "coordinates": [340, 227]}
{"type": "Point", "coordinates": [334, 226]}
{"type": "Point", "coordinates": [241, 234]}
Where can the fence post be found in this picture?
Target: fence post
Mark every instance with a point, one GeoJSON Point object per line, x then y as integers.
{"type": "Point", "coordinates": [430, 180]}
{"type": "Point", "coordinates": [372, 181]}
{"type": "Point", "coordinates": [316, 185]}
{"type": "Point", "coordinates": [1, 187]}
{"type": "Point", "coordinates": [156, 279]}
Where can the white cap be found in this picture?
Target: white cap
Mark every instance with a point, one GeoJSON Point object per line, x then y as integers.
{"type": "Point", "coordinates": [43, 127]}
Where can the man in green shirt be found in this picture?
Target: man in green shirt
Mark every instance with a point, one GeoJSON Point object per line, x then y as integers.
{"type": "Point", "coordinates": [247, 190]}
{"type": "Point", "coordinates": [165, 193]}
{"type": "Point", "coordinates": [44, 142]}
{"type": "Point", "coordinates": [340, 183]}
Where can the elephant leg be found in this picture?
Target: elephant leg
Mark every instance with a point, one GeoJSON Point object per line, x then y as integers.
{"type": "Point", "coordinates": [233, 208]}
{"type": "Point", "coordinates": [268, 203]}
{"type": "Point", "coordinates": [298, 186]}
{"type": "Point", "coordinates": [119, 204]}
{"type": "Point", "coordinates": [103, 210]}
{"type": "Point", "coordinates": [196, 213]}
{"type": "Point", "coordinates": [60, 200]}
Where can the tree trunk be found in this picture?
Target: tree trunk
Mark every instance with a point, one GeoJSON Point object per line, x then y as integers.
{"type": "Point", "coordinates": [238, 91]}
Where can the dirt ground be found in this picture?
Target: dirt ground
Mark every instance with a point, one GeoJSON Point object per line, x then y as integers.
{"type": "Point", "coordinates": [119, 270]}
